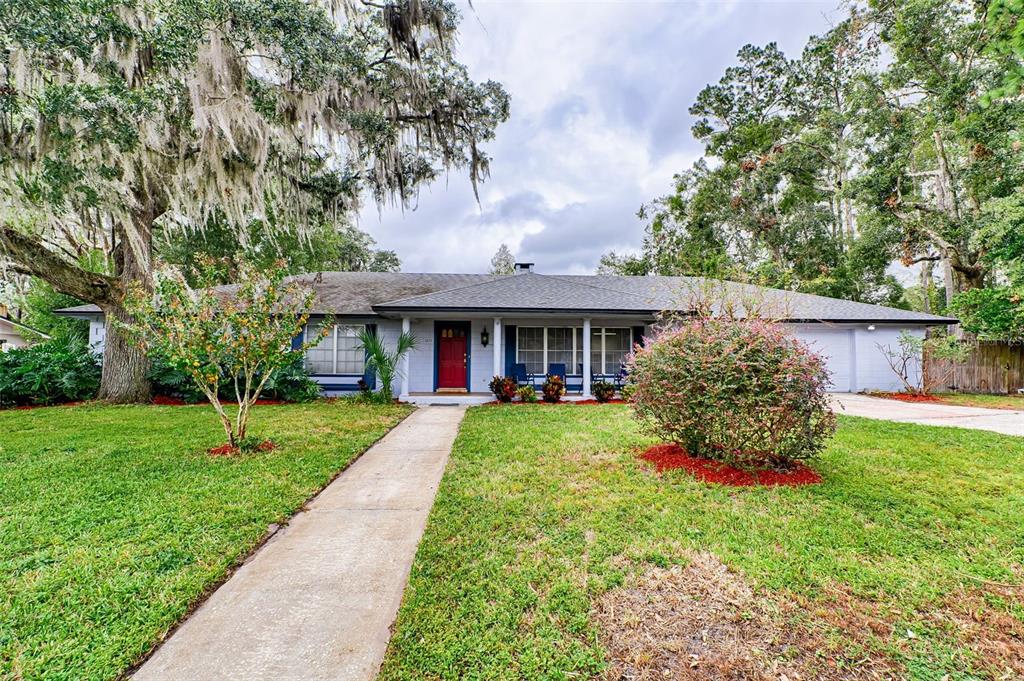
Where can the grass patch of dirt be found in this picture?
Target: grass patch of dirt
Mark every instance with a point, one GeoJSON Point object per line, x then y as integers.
{"type": "Point", "coordinates": [703, 621]}
{"type": "Point", "coordinates": [979, 619]}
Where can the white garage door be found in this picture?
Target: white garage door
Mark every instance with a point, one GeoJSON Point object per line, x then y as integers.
{"type": "Point", "coordinates": [835, 346]}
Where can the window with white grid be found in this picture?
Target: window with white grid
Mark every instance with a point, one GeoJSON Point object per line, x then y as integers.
{"type": "Point", "coordinates": [338, 352]}
{"type": "Point", "coordinates": [530, 348]}
{"type": "Point", "coordinates": [609, 348]}
{"type": "Point", "coordinates": [539, 347]}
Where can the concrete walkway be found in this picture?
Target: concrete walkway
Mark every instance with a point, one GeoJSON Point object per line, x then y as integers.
{"type": "Point", "coordinates": [317, 601]}
{"type": "Point", "coordinates": [997, 420]}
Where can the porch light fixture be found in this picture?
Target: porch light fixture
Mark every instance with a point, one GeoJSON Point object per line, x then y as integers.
{"type": "Point", "coordinates": [485, 338]}
{"type": "Point", "coordinates": [871, 327]}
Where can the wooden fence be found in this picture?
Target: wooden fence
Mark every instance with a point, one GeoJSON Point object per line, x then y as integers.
{"type": "Point", "coordinates": [996, 368]}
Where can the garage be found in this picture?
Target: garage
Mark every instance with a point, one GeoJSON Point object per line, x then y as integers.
{"type": "Point", "coordinates": [837, 347]}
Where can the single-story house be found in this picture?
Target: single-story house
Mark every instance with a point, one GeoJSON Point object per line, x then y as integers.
{"type": "Point", "coordinates": [470, 327]}
{"type": "Point", "coordinates": [14, 334]}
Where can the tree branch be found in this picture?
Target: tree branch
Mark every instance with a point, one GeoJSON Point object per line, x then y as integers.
{"type": "Point", "coordinates": [30, 256]}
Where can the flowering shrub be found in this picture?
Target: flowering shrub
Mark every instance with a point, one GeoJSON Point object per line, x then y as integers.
{"type": "Point", "coordinates": [527, 393]}
{"type": "Point", "coordinates": [503, 387]}
{"type": "Point", "coordinates": [554, 388]}
{"type": "Point", "coordinates": [602, 391]}
{"type": "Point", "coordinates": [744, 392]}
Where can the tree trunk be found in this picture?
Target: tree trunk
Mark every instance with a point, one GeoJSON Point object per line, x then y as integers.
{"type": "Point", "coordinates": [948, 278]}
{"type": "Point", "coordinates": [926, 286]}
{"type": "Point", "coordinates": [125, 364]}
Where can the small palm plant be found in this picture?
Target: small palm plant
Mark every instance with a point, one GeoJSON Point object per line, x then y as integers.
{"type": "Point", "coordinates": [384, 362]}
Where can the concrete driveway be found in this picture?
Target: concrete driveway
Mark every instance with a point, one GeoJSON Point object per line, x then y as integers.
{"type": "Point", "coordinates": [996, 420]}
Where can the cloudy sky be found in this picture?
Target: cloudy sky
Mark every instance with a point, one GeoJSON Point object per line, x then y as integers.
{"type": "Point", "coordinates": [599, 124]}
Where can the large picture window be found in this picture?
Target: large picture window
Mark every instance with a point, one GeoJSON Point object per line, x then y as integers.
{"type": "Point", "coordinates": [539, 347]}
{"type": "Point", "coordinates": [337, 353]}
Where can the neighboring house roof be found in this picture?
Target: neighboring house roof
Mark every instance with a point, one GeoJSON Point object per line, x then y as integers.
{"type": "Point", "coordinates": [390, 293]}
{"type": "Point", "coordinates": [23, 327]}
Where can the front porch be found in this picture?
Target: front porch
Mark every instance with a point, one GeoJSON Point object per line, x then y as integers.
{"type": "Point", "coordinates": [456, 358]}
{"type": "Point", "coordinates": [466, 399]}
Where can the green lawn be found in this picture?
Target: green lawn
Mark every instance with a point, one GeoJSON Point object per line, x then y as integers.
{"type": "Point", "coordinates": [113, 520]}
{"type": "Point", "coordinates": [979, 400]}
{"type": "Point", "coordinates": [900, 559]}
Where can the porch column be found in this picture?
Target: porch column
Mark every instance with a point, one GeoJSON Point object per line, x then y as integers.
{"type": "Point", "coordinates": [586, 358]}
{"type": "Point", "coordinates": [404, 393]}
{"type": "Point", "coordinates": [497, 347]}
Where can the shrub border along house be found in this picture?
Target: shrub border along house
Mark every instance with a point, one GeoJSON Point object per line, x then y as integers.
{"type": "Point", "coordinates": [59, 370]}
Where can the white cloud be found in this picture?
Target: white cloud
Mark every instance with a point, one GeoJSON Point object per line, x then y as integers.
{"type": "Point", "coordinates": [599, 125]}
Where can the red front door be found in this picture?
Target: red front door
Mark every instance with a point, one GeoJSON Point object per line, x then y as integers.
{"type": "Point", "coordinates": [451, 357]}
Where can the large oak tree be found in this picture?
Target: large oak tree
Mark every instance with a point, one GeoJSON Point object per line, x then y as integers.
{"type": "Point", "coordinates": [896, 136]}
{"type": "Point", "coordinates": [118, 116]}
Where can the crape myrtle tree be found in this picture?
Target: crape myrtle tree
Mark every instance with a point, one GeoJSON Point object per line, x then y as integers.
{"type": "Point", "coordinates": [239, 335]}
{"type": "Point", "coordinates": [120, 115]}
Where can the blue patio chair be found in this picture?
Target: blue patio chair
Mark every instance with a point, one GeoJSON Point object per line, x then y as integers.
{"type": "Point", "coordinates": [521, 376]}
{"type": "Point", "coordinates": [621, 376]}
{"type": "Point", "coordinates": [557, 370]}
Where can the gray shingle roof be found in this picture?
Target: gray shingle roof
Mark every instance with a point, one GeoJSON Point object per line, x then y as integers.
{"type": "Point", "coordinates": [667, 293]}
{"type": "Point", "coordinates": [356, 293]}
{"type": "Point", "coordinates": [524, 293]}
{"type": "Point", "coordinates": [607, 293]}
{"type": "Point", "coordinates": [371, 293]}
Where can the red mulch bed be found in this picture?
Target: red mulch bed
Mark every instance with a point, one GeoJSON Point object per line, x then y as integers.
{"type": "Point", "coordinates": [495, 403]}
{"type": "Point", "coordinates": [909, 397]}
{"type": "Point", "coordinates": [228, 450]}
{"type": "Point", "coordinates": [672, 456]}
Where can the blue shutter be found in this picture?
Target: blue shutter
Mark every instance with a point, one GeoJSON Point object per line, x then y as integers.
{"type": "Point", "coordinates": [299, 339]}
{"type": "Point", "coordinates": [369, 376]}
{"type": "Point", "coordinates": [510, 348]}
